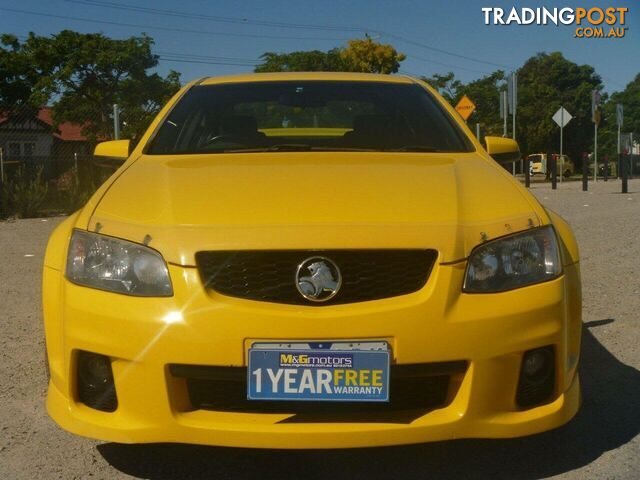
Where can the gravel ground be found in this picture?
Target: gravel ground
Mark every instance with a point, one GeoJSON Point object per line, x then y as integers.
{"type": "Point", "coordinates": [601, 442]}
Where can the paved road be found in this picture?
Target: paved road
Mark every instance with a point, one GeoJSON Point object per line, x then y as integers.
{"type": "Point", "coordinates": [601, 442]}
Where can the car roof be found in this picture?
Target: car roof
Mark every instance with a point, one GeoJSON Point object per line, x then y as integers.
{"type": "Point", "coordinates": [293, 76]}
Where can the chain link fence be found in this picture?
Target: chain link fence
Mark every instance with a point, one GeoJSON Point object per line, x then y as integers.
{"type": "Point", "coordinates": [48, 168]}
{"type": "Point", "coordinates": [45, 169]}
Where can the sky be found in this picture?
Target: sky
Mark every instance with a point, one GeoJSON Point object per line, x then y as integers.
{"type": "Point", "coordinates": [208, 37]}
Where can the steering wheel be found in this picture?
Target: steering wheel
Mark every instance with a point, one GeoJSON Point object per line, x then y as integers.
{"type": "Point", "coordinates": [226, 137]}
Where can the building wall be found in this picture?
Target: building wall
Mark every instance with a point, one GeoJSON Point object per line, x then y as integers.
{"type": "Point", "coordinates": [43, 142]}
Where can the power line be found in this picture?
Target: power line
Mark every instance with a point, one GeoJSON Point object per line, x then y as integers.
{"type": "Point", "coordinates": [440, 50]}
{"type": "Point", "coordinates": [237, 20]}
{"type": "Point", "coordinates": [206, 57]}
{"type": "Point", "coordinates": [426, 60]}
{"type": "Point", "coordinates": [188, 57]}
{"type": "Point", "coordinates": [205, 62]}
{"type": "Point", "coordinates": [246, 21]}
{"type": "Point", "coordinates": [214, 18]}
{"type": "Point", "coordinates": [214, 60]}
{"type": "Point", "coordinates": [411, 74]}
{"type": "Point", "coordinates": [168, 29]}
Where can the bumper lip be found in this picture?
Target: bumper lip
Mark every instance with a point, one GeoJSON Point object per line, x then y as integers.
{"type": "Point", "coordinates": [197, 428]}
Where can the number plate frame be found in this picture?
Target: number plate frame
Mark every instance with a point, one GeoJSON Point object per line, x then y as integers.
{"type": "Point", "coordinates": [288, 362]}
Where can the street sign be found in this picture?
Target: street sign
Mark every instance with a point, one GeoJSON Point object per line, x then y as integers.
{"type": "Point", "coordinates": [595, 106]}
{"type": "Point", "coordinates": [562, 117]}
{"type": "Point", "coordinates": [625, 143]}
{"type": "Point", "coordinates": [465, 107]}
{"type": "Point", "coordinates": [619, 114]}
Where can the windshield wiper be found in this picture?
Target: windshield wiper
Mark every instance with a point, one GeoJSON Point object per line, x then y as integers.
{"type": "Point", "coordinates": [282, 147]}
{"type": "Point", "coordinates": [295, 147]}
{"type": "Point", "coordinates": [289, 147]}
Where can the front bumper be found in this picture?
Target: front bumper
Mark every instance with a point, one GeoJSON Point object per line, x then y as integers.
{"type": "Point", "coordinates": [437, 324]}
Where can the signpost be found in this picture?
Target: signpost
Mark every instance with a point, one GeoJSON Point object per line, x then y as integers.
{"type": "Point", "coordinates": [595, 117]}
{"type": "Point", "coordinates": [465, 107]}
{"type": "Point", "coordinates": [504, 111]}
{"type": "Point", "coordinates": [625, 155]}
{"type": "Point", "coordinates": [631, 156]}
{"type": "Point", "coordinates": [116, 121]}
{"type": "Point", "coordinates": [562, 117]}
{"type": "Point", "coordinates": [512, 88]}
{"type": "Point", "coordinates": [619, 121]}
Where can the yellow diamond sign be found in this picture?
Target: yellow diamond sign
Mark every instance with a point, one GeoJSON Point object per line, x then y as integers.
{"type": "Point", "coordinates": [465, 107]}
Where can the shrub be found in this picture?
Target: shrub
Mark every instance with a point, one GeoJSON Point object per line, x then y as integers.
{"type": "Point", "coordinates": [77, 195]}
{"type": "Point", "coordinates": [24, 193]}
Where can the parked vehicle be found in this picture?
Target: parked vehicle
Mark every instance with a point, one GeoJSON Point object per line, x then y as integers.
{"type": "Point", "coordinates": [311, 260]}
{"type": "Point", "coordinates": [538, 164]}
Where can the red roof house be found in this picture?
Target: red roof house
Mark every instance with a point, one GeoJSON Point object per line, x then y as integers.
{"type": "Point", "coordinates": [33, 139]}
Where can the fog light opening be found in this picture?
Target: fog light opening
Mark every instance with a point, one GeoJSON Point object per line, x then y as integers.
{"type": "Point", "coordinates": [95, 371]}
{"type": "Point", "coordinates": [96, 387]}
{"type": "Point", "coordinates": [537, 377]}
{"type": "Point", "coordinates": [537, 365]}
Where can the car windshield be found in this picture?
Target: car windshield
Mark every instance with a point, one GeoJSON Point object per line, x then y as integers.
{"type": "Point", "coordinates": [535, 158]}
{"type": "Point", "coordinates": [308, 116]}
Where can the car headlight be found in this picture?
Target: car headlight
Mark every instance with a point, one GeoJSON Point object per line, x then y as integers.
{"type": "Point", "coordinates": [514, 261]}
{"type": "Point", "coordinates": [115, 265]}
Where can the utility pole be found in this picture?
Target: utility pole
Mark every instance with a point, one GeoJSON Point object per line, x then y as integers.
{"type": "Point", "coordinates": [561, 157]}
{"type": "Point", "coordinates": [513, 103]}
{"type": "Point", "coordinates": [619, 120]}
{"type": "Point", "coordinates": [504, 111]}
{"type": "Point", "coordinates": [595, 154]}
{"type": "Point", "coordinates": [116, 121]}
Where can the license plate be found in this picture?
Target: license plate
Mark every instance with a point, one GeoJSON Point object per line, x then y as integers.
{"type": "Point", "coordinates": [319, 371]}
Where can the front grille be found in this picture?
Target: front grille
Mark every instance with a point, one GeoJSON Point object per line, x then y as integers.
{"type": "Point", "coordinates": [414, 390]}
{"type": "Point", "coordinates": [269, 276]}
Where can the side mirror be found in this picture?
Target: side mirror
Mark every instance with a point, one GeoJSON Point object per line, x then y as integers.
{"type": "Point", "coordinates": [502, 150]}
{"type": "Point", "coordinates": [117, 150]}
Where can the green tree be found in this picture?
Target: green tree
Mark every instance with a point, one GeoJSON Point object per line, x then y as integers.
{"type": "Point", "coordinates": [546, 82]}
{"type": "Point", "coordinates": [447, 85]}
{"type": "Point", "coordinates": [21, 77]}
{"type": "Point", "coordinates": [87, 74]}
{"type": "Point", "coordinates": [96, 72]}
{"type": "Point", "coordinates": [311, 61]}
{"type": "Point", "coordinates": [484, 93]}
{"type": "Point", "coordinates": [630, 100]}
{"type": "Point", "coordinates": [366, 55]}
{"type": "Point", "coordinates": [363, 55]}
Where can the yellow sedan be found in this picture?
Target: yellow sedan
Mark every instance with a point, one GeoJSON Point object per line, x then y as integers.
{"type": "Point", "coordinates": [311, 260]}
